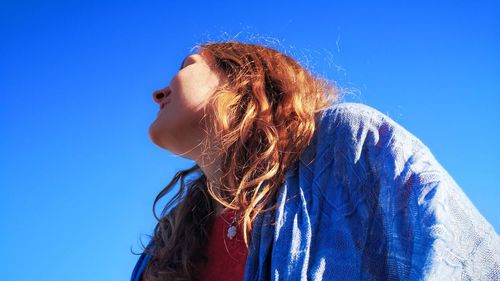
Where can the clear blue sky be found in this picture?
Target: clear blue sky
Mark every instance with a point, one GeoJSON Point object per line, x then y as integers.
{"type": "Point", "coordinates": [78, 173]}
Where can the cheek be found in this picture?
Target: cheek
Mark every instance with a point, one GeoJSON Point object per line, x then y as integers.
{"type": "Point", "coordinates": [197, 90]}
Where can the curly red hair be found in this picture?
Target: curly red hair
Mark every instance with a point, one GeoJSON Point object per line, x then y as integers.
{"type": "Point", "coordinates": [263, 118]}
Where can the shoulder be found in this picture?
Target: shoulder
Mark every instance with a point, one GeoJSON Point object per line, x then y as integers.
{"type": "Point", "coordinates": [353, 122]}
{"type": "Point", "coordinates": [358, 119]}
{"type": "Point", "coordinates": [352, 128]}
{"type": "Point", "coordinates": [354, 115]}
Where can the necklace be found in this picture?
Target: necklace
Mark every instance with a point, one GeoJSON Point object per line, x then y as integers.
{"type": "Point", "coordinates": [231, 231]}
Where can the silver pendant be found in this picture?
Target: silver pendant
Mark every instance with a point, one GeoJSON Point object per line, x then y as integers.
{"type": "Point", "coordinates": [231, 232]}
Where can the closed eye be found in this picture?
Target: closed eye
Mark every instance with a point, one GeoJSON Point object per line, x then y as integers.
{"type": "Point", "coordinates": [187, 61]}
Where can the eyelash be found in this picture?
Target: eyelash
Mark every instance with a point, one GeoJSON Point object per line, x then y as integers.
{"type": "Point", "coordinates": [187, 62]}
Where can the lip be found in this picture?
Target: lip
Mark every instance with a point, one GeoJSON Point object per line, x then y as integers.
{"type": "Point", "coordinates": [163, 104]}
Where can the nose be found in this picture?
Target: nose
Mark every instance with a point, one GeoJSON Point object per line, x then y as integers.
{"type": "Point", "coordinates": [158, 95]}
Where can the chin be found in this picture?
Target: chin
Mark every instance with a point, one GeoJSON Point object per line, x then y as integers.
{"type": "Point", "coordinates": [172, 143]}
{"type": "Point", "coordinates": [154, 134]}
{"type": "Point", "coordinates": [158, 137]}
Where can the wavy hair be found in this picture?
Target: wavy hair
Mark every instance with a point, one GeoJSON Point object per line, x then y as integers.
{"type": "Point", "coordinates": [262, 118]}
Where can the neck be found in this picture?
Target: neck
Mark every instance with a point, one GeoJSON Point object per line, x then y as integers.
{"type": "Point", "coordinates": [212, 170]}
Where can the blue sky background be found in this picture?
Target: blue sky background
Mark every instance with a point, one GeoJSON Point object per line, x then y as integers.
{"type": "Point", "coordinates": [78, 173]}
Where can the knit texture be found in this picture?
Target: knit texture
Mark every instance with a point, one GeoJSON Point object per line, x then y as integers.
{"type": "Point", "coordinates": [367, 200]}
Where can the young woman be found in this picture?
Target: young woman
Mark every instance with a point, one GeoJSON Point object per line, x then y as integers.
{"type": "Point", "coordinates": [290, 183]}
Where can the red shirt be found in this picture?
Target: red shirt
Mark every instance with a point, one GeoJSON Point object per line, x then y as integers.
{"type": "Point", "coordinates": [226, 257]}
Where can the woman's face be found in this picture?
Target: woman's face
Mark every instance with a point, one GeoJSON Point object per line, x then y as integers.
{"type": "Point", "coordinates": [177, 126]}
